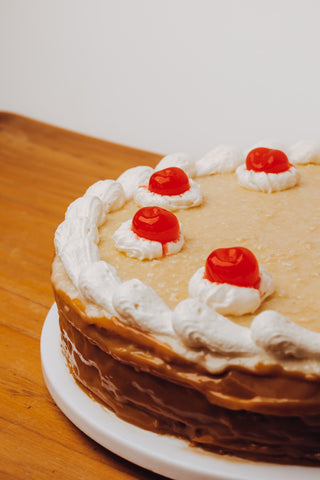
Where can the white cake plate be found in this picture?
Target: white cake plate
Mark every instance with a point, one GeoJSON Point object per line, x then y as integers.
{"type": "Point", "coordinates": [161, 454]}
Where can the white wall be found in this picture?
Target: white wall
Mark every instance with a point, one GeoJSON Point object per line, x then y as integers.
{"type": "Point", "coordinates": [165, 75]}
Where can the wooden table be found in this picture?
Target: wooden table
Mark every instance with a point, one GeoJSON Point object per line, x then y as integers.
{"type": "Point", "coordinates": [42, 169]}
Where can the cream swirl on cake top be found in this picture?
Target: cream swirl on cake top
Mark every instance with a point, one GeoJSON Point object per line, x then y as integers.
{"type": "Point", "coordinates": [169, 188]}
{"type": "Point", "coordinates": [267, 170]}
{"type": "Point", "coordinates": [222, 159]}
{"type": "Point", "coordinates": [152, 233]}
{"type": "Point", "coordinates": [232, 282]}
{"type": "Point", "coordinates": [132, 178]}
{"type": "Point", "coordinates": [229, 299]}
{"type": "Point", "coordinates": [200, 326]}
{"type": "Point", "coordinates": [304, 152]}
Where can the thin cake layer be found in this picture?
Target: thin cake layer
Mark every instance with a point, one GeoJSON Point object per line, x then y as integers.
{"type": "Point", "coordinates": [269, 391]}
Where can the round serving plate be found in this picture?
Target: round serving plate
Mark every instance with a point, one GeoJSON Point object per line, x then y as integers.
{"type": "Point", "coordinates": [166, 455]}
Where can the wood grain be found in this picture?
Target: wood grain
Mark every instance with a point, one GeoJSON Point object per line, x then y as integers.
{"type": "Point", "coordinates": [42, 169]}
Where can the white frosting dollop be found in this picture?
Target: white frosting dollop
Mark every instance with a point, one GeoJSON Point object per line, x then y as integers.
{"type": "Point", "coordinates": [88, 206]}
{"type": "Point", "coordinates": [132, 178]}
{"type": "Point", "coordinates": [304, 152]}
{"type": "Point", "coordinates": [77, 254]}
{"type": "Point", "coordinates": [230, 299]}
{"type": "Point", "coordinates": [267, 182]}
{"type": "Point", "coordinates": [180, 160]}
{"type": "Point", "coordinates": [127, 241]}
{"type": "Point", "coordinates": [110, 192]}
{"type": "Point", "coordinates": [200, 326]}
{"type": "Point", "coordinates": [73, 230]}
{"type": "Point", "coordinates": [77, 237]}
{"type": "Point", "coordinates": [188, 199]}
{"type": "Point", "coordinates": [138, 305]}
{"type": "Point", "coordinates": [283, 338]}
{"type": "Point", "coordinates": [98, 282]}
{"type": "Point", "coordinates": [222, 159]}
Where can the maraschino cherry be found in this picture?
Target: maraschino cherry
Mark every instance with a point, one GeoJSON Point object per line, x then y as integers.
{"type": "Point", "coordinates": [235, 265]}
{"type": "Point", "coordinates": [169, 181]}
{"type": "Point", "coordinates": [267, 160]}
{"type": "Point", "coordinates": [157, 224]}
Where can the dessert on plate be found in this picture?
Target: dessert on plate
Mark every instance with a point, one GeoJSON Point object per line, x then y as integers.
{"type": "Point", "coordinates": [188, 299]}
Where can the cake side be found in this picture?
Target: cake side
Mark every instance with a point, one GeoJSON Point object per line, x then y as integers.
{"type": "Point", "coordinates": [265, 390]}
{"type": "Point", "coordinates": [155, 403]}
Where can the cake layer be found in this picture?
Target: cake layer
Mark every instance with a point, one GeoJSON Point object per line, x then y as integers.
{"type": "Point", "coordinates": [164, 407]}
{"type": "Point", "coordinates": [270, 391]}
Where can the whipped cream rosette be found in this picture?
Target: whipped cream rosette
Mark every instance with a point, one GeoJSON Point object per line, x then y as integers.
{"type": "Point", "coordinates": [152, 233]}
{"type": "Point", "coordinates": [304, 152]}
{"type": "Point", "coordinates": [132, 178]}
{"type": "Point", "coordinates": [221, 159]}
{"type": "Point", "coordinates": [267, 170]}
{"type": "Point", "coordinates": [199, 326]}
{"type": "Point", "coordinates": [169, 188]}
{"type": "Point", "coordinates": [232, 282]}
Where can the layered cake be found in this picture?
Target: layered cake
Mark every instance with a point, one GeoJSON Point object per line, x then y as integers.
{"type": "Point", "coordinates": [188, 299]}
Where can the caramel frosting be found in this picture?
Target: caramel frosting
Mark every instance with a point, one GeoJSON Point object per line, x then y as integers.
{"type": "Point", "coordinates": [158, 405]}
{"type": "Point", "coordinates": [269, 391]}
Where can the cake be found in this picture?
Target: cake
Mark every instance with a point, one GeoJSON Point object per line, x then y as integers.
{"type": "Point", "coordinates": [188, 299]}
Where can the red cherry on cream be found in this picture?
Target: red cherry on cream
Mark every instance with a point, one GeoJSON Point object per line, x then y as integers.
{"type": "Point", "coordinates": [235, 265]}
{"type": "Point", "coordinates": [169, 181]}
{"type": "Point", "coordinates": [267, 160]}
{"type": "Point", "coordinates": [157, 224]}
